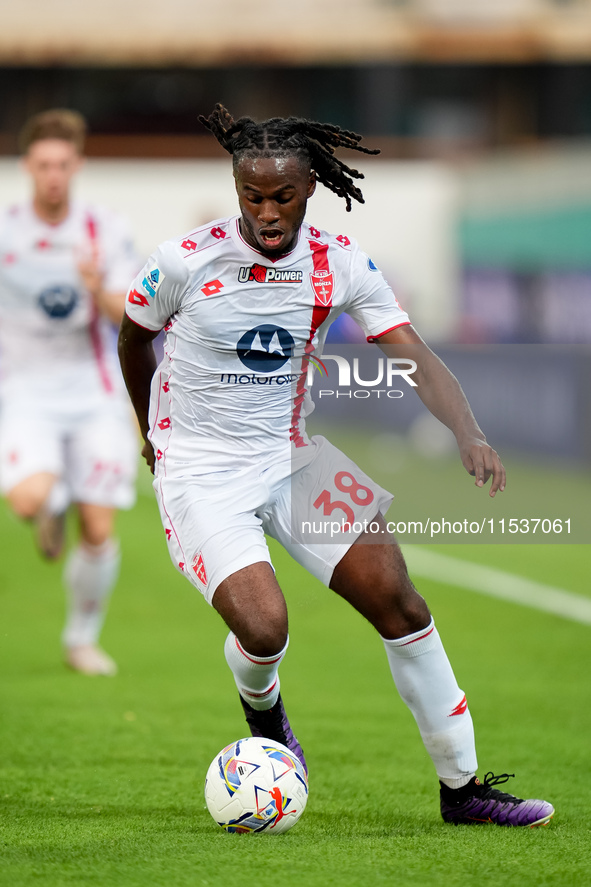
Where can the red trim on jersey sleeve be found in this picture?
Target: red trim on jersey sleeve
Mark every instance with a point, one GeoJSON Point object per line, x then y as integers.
{"type": "Point", "coordinates": [148, 328]}
{"type": "Point", "coordinates": [389, 330]}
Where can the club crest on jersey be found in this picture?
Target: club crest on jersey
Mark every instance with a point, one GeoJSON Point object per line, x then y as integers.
{"type": "Point", "coordinates": [323, 282]}
{"type": "Point", "coordinates": [261, 274]}
{"type": "Point", "coordinates": [152, 281]}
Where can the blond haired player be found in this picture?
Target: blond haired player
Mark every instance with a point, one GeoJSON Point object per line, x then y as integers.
{"type": "Point", "coordinates": [66, 435]}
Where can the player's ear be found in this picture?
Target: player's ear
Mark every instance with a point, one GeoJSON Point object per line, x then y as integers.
{"type": "Point", "coordinates": [311, 183]}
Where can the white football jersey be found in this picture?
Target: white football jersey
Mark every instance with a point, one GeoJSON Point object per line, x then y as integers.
{"type": "Point", "coordinates": [241, 330]}
{"type": "Point", "coordinates": [51, 335]}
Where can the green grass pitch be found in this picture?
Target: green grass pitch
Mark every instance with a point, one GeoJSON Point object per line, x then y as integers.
{"type": "Point", "coordinates": [101, 780]}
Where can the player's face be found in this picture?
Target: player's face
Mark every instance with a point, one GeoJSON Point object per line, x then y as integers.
{"type": "Point", "coordinates": [51, 163]}
{"type": "Point", "coordinates": [273, 192]}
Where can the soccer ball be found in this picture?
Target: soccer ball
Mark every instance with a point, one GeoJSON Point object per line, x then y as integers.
{"type": "Point", "coordinates": [256, 785]}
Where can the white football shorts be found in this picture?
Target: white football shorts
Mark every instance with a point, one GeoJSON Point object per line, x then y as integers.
{"type": "Point", "coordinates": [215, 524]}
{"type": "Point", "coordinates": [94, 451]}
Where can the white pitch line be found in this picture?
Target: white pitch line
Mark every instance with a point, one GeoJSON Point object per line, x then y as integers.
{"type": "Point", "coordinates": [497, 583]}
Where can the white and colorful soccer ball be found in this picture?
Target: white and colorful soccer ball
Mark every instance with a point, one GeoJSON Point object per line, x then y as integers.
{"type": "Point", "coordinates": [256, 785]}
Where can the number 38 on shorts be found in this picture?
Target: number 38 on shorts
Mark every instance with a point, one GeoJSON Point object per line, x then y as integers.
{"type": "Point", "coordinates": [340, 499]}
{"type": "Point", "coordinates": [357, 493]}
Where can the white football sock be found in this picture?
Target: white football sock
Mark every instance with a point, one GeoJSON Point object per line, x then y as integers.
{"type": "Point", "coordinates": [256, 676]}
{"type": "Point", "coordinates": [426, 682]}
{"type": "Point", "coordinates": [89, 575]}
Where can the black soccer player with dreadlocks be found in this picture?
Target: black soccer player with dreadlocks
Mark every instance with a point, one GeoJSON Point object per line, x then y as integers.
{"type": "Point", "coordinates": [245, 302]}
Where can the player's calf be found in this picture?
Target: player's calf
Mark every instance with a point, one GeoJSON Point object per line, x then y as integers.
{"type": "Point", "coordinates": [373, 578]}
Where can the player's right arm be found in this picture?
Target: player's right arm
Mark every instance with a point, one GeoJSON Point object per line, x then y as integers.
{"type": "Point", "coordinates": [153, 298]}
{"type": "Point", "coordinates": [138, 364]}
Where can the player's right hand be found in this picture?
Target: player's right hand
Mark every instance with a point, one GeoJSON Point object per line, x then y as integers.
{"type": "Point", "coordinates": [149, 455]}
{"type": "Point", "coordinates": [481, 461]}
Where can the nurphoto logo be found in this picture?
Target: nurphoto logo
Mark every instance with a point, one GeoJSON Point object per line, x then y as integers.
{"type": "Point", "coordinates": [388, 371]}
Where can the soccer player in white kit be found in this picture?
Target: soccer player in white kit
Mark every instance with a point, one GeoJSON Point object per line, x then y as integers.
{"type": "Point", "coordinates": [245, 303]}
{"type": "Point", "coordinates": [67, 433]}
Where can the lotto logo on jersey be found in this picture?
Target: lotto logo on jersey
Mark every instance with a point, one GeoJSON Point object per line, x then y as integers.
{"type": "Point", "coordinates": [136, 298]}
{"type": "Point", "coordinates": [261, 274]}
{"type": "Point", "coordinates": [153, 280]}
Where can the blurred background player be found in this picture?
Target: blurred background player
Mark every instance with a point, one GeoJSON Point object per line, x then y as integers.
{"type": "Point", "coordinates": [66, 432]}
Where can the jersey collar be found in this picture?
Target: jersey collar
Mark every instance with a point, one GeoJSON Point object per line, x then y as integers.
{"type": "Point", "coordinates": [247, 250]}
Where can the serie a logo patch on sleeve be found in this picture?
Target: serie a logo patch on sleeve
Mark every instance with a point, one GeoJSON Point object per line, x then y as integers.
{"type": "Point", "coordinates": [153, 280]}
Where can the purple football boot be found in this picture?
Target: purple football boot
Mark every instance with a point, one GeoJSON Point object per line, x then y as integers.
{"type": "Point", "coordinates": [274, 724]}
{"type": "Point", "coordinates": [478, 803]}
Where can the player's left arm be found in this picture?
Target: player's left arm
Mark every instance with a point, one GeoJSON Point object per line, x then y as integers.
{"type": "Point", "coordinates": [443, 396]}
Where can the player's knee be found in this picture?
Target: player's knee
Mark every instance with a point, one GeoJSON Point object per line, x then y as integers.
{"type": "Point", "coordinates": [96, 536]}
{"type": "Point", "coordinates": [264, 638]}
{"type": "Point", "coordinates": [96, 524]}
{"type": "Point", "coordinates": [25, 505]}
{"type": "Point", "coordinates": [415, 610]}
{"type": "Point", "coordinates": [405, 613]}
{"type": "Point", "coordinates": [252, 605]}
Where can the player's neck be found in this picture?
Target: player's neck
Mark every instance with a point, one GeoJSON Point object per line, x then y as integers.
{"type": "Point", "coordinates": [249, 238]}
{"type": "Point", "coordinates": [51, 213]}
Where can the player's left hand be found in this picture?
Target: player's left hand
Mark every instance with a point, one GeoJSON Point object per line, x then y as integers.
{"type": "Point", "coordinates": [481, 461]}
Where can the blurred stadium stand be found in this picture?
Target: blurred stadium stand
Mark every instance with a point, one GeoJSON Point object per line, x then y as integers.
{"type": "Point", "coordinates": [146, 32]}
{"type": "Point", "coordinates": [430, 77]}
{"type": "Point", "coordinates": [525, 246]}
{"type": "Point", "coordinates": [485, 107]}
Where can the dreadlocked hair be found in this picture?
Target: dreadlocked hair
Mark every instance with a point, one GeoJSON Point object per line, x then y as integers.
{"type": "Point", "coordinates": [280, 136]}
